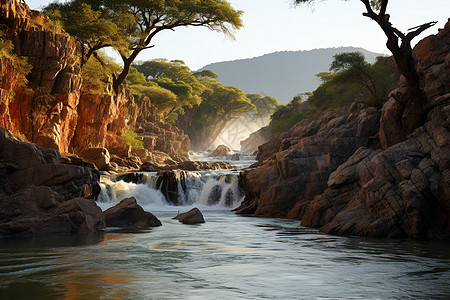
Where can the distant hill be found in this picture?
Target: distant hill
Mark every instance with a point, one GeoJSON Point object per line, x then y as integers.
{"type": "Point", "coordinates": [281, 74]}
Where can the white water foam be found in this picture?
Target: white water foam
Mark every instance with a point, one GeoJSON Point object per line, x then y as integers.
{"type": "Point", "coordinates": [217, 189]}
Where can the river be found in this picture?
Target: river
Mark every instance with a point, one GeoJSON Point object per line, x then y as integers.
{"type": "Point", "coordinates": [228, 257]}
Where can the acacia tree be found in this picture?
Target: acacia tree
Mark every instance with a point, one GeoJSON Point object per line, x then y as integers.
{"type": "Point", "coordinates": [138, 22]}
{"type": "Point", "coordinates": [399, 44]}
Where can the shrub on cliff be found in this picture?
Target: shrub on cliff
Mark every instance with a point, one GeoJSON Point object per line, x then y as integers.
{"type": "Point", "coordinates": [355, 80]}
{"type": "Point", "coordinates": [96, 78]}
{"type": "Point", "coordinates": [21, 65]}
{"type": "Point", "coordinates": [131, 139]}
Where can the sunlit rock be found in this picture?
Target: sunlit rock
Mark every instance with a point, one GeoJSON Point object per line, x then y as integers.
{"type": "Point", "coordinates": [193, 216]}
{"type": "Point", "coordinates": [131, 215]}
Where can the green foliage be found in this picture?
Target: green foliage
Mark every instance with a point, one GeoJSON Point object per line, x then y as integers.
{"type": "Point", "coordinates": [348, 60]}
{"type": "Point", "coordinates": [172, 76]}
{"type": "Point", "coordinates": [129, 26]}
{"type": "Point", "coordinates": [136, 78]}
{"type": "Point", "coordinates": [93, 29]}
{"type": "Point", "coordinates": [96, 75]}
{"type": "Point", "coordinates": [325, 76]}
{"type": "Point", "coordinates": [21, 66]}
{"type": "Point", "coordinates": [205, 73]}
{"type": "Point", "coordinates": [157, 96]}
{"type": "Point", "coordinates": [131, 139]}
{"type": "Point", "coordinates": [6, 45]}
{"type": "Point", "coordinates": [265, 106]}
{"type": "Point", "coordinates": [219, 106]}
{"type": "Point", "coordinates": [288, 115]}
{"type": "Point", "coordinates": [355, 81]}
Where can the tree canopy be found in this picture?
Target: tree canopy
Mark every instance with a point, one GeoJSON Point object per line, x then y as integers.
{"type": "Point", "coordinates": [130, 26]}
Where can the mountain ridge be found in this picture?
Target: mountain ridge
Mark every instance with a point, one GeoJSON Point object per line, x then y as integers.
{"type": "Point", "coordinates": [281, 74]}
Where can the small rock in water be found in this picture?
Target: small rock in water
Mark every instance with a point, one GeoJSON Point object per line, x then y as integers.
{"type": "Point", "coordinates": [129, 214]}
{"type": "Point", "coordinates": [193, 216]}
{"type": "Point", "coordinates": [221, 150]}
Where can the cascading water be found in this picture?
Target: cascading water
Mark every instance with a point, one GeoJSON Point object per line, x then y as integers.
{"type": "Point", "coordinates": [217, 189]}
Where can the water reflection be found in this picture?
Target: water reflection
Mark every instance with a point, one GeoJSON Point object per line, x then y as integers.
{"type": "Point", "coordinates": [228, 257]}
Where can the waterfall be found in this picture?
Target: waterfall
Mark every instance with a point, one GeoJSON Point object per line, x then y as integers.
{"type": "Point", "coordinates": [166, 190]}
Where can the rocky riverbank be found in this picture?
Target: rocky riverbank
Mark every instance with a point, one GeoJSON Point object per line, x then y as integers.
{"type": "Point", "coordinates": [352, 173]}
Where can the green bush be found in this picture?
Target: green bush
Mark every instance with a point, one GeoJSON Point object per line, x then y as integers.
{"type": "Point", "coordinates": [21, 65]}
{"type": "Point", "coordinates": [131, 139]}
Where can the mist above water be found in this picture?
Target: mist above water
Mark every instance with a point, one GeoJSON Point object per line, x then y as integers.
{"type": "Point", "coordinates": [240, 129]}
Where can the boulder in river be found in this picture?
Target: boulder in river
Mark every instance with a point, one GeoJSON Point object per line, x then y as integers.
{"type": "Point", "coordinates": [172, 185]}
{"type": "Point", "coordinates": [128, 213]}
{"type": "Point", "coordinates": [193, 216]}
{"type": "Point", "coordinates": [221, 150]}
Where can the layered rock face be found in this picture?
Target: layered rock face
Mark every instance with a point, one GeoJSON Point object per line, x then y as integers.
{"type": "Point", "coordinates": [163, 137]}
{"type": "Point", "coordinates": [251, 144]}
{"type": "Point", "coordinates": [332, 174]}
{"type": "Point", "coordinates": [7, 82]}
{"type": "Point", "coordinates": [45, 112]}
{"type": "Point", "coordinates": [41, 195]}
{"type": "Point", "coordinates": [306, 156]}
{"type": "Point", "coordinates": [403, 190]}
{"type": "Point", "coordinates": [52, 110]}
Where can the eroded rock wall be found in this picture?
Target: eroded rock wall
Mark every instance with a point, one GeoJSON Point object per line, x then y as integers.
{"type": "Point", "coordinates": [52, 110]}
{"type": "Point", "coordinates": [335, 174]}
{"type": "Point", "coordinates": [295, 165]}
{"type": "Point", "coordinates": [41, 195]}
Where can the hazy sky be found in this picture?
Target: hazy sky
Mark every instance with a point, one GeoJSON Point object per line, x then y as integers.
{"type": "Point", "coordinates": [275, 25]}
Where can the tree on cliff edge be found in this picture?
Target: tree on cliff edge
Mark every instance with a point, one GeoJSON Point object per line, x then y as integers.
{"type": "Point", "coordinates": [129, 26]}
{"type": "Point", "coordinates": [416, 103]}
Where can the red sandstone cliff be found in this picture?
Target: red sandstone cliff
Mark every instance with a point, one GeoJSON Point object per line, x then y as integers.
{"type": "Point", "coordinates": [52, 110]}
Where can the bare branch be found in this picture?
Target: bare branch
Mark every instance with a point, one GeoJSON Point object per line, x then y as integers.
{"type": "Point", "coordinates": [419, 29]}
{"type": "Point", "coordinates": [384, 4]}
{"type": "Point", "coordinates": [370, 13]}
{"type": "Point", "coordinates": [141, 48]}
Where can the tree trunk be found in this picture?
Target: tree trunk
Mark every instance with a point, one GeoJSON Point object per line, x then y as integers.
{"type": "Point", "coordinates": [127, 61]}
{"type": "Point", "coordinates": [412, 113]}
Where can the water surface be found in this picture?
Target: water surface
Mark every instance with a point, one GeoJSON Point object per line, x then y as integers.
{"type": "Point", "coordinates": [228, 257]}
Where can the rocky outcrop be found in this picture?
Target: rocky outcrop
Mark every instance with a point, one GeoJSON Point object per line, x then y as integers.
{"type": "Point", "coordinates": [54, 111]}
{"type": "Point", "coordinates": [307, 154]}
{"type": "Point", "coordinates": [172, 185]}
{"type": "Point", "coordinates": [8, 80]}
{"type": "Point", "coordinates": [193, 216]}
{"type": "Point", "coordinates": [220, 151]}
{"type": "Point", "coordinates": [130, 215]}
{"type": "Point", "coordinates": [403, 191]}
{"type": "Point", "coordinates": [163, 137]}
{"type": "Point", "coordinates": [46, 110]}
{"type": "Point", "coordinates": [433, 66]}
{"type": "Point", "coordinates": [397, 188]}
{"type": "Point", "coordinates": [98, 156]}
{"type": "Point", "coordinates": [251, 144]}
{"type": "Point", "coordinates": [186, 166]}
{"type": "Point", "coordinates": [41, 195]}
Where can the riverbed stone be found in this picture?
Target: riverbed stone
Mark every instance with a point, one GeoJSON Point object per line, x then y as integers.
{"type": "Point", "coordinates": [129, 214]}
{"type": "Point", "coordinates": [221, 150]}
{"type": "Point", "coordinates": [193, 216]}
